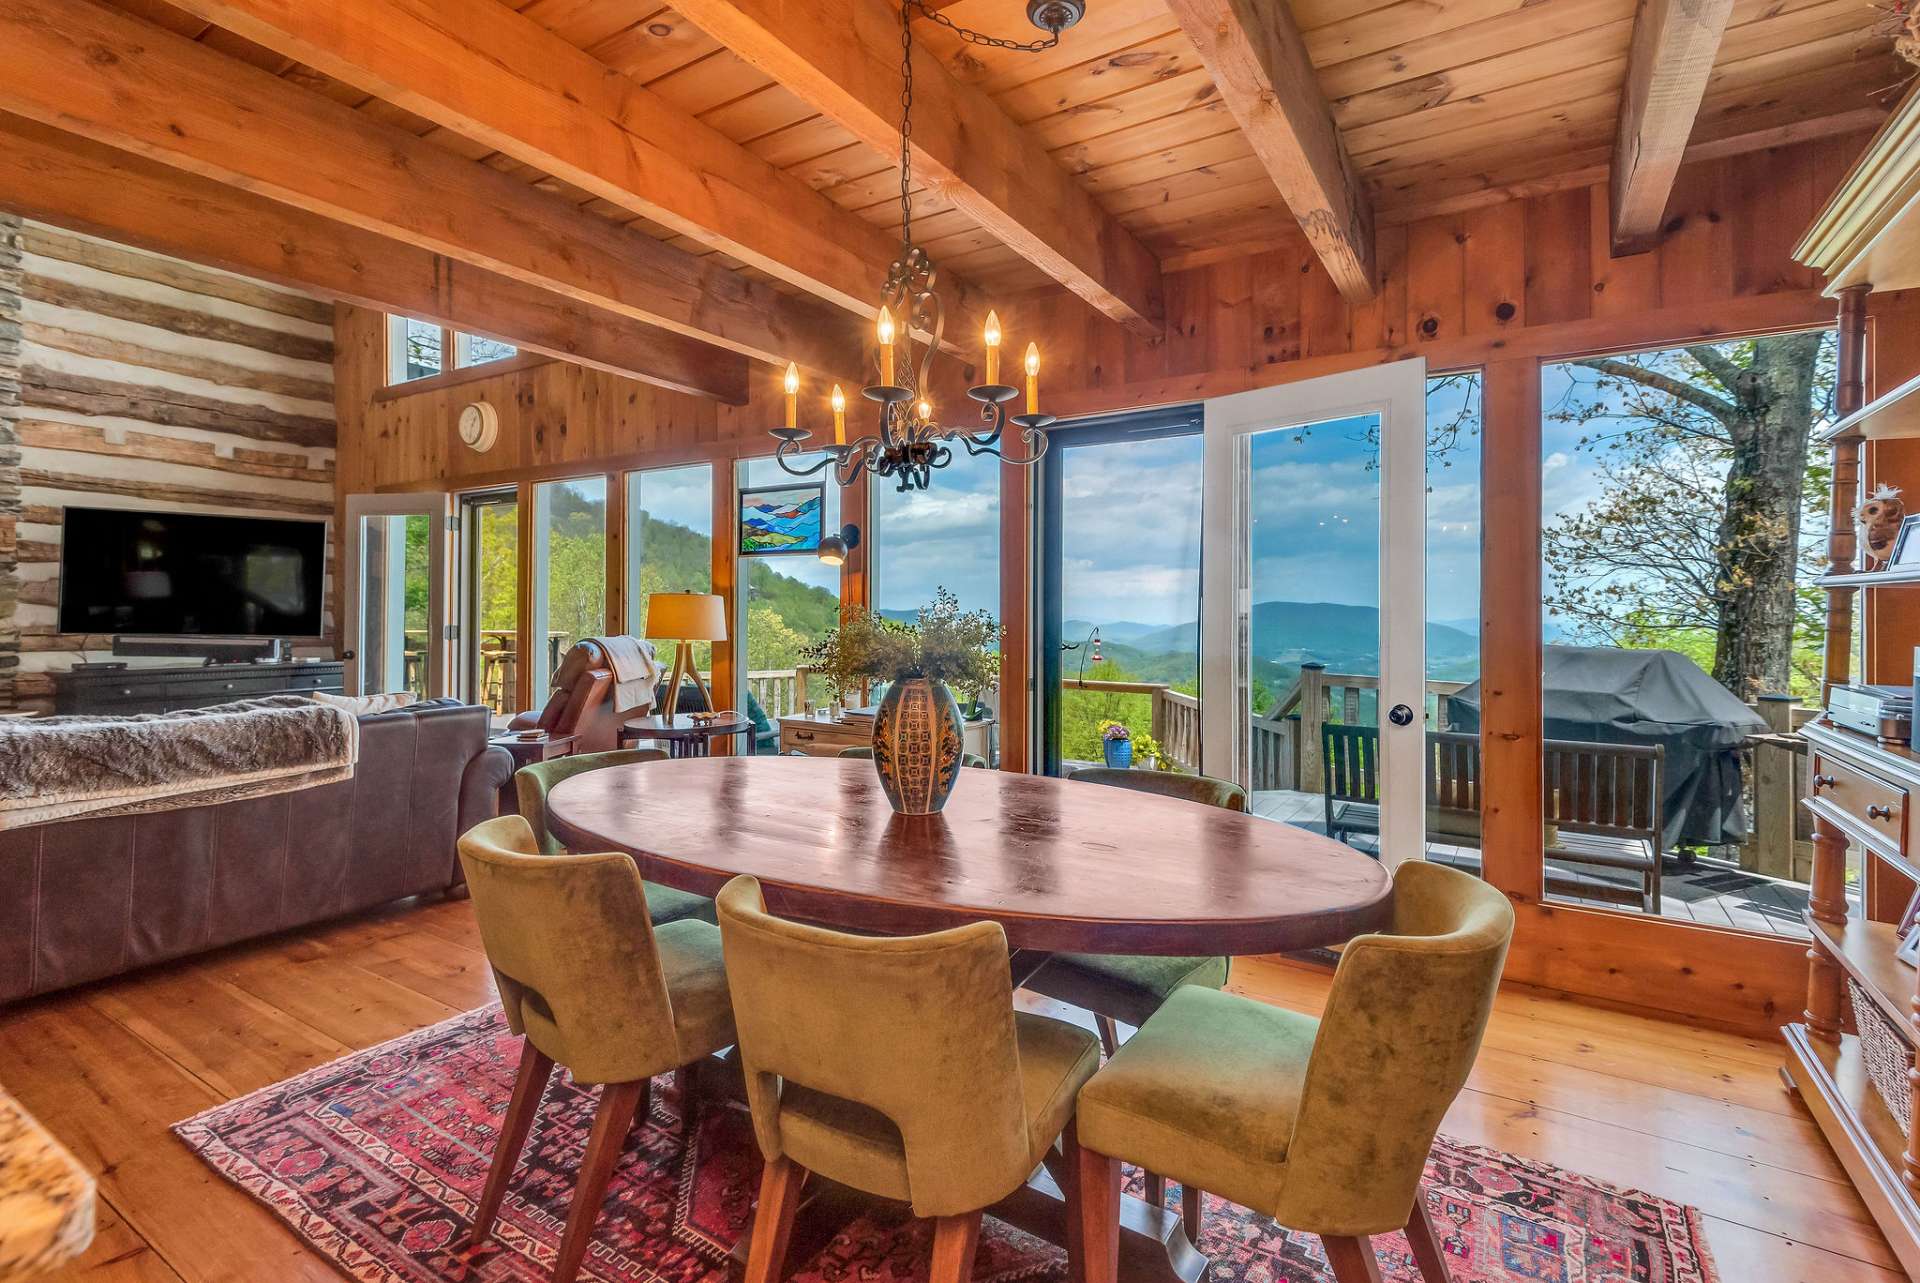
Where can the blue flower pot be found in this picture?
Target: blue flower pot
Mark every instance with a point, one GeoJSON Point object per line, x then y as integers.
{"type": "Point", "coordinates": [1119, 753]}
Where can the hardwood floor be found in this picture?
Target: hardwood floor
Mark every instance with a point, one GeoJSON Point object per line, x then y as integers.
{"type": "Point", "coordinates": [1693, 1115]}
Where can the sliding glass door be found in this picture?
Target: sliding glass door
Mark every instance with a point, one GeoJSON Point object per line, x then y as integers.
{"type": "Point", "coordinates": [490, 591]}
{"type": "Point", "coordinates": [1119, 590]}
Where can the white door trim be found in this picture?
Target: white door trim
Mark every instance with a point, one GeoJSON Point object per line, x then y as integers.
{"type": "Point", "coordinates": [1397, 393]}
{"type": "Point", "coordinates": [437, 506]}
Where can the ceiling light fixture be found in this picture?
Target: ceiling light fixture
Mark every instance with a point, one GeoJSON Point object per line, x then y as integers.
{"type": "Point", "coordinates": [910, 441]}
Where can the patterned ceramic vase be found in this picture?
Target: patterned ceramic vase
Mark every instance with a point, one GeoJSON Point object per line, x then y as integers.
{"type": "Point", "coordinates": [917, 745]}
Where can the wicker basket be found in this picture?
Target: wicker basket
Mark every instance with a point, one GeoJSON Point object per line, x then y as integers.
{"type": "Point", "coordinates": [1889, 1059]}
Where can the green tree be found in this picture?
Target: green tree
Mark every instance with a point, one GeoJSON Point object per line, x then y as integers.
{"type": "Point", "coordinates": [1705, 488]}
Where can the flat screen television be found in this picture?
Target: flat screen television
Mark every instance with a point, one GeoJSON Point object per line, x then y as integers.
{"type": "Point", "coordinates": [181, 574]}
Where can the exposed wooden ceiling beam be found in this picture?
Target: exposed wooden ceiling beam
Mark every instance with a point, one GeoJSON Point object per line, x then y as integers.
{"type": "Point", "coordinates": [842, 57]}
{"type": "Point", "coordinates": [134, 86]}
{"type": "Point", "coordinates": [489, 73]}
{"type": "Point", "coordinates": [1674, 43]}
{"type": "Point", "coordinates": [75, 183]}
{"type": "Point", "coordinates": [1261, 68]}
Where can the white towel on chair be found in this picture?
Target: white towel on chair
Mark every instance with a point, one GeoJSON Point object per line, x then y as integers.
{"type": "Point", "coordinates": [635, 672]}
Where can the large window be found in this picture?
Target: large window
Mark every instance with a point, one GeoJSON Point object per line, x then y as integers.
{"type": "Point", "coordinates": [1682, 523]}
{"type": "Point", "coordinates": [946, 537]}
{"type": "Point", "coordinates": [570, 570]}
{"type": "Point", "coordinates": [420, 349]}
{"type": "Point", "coordinates": [669, 541]}
{"type": "Point", "coordinates": [787, 601]}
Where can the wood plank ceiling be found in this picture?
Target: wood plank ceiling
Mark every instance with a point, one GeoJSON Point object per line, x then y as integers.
{"type": "Point", "coordinates": [1440, 106]}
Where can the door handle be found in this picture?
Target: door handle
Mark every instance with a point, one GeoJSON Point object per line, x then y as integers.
{"type": "Point", "coordinates": [1400, 715]}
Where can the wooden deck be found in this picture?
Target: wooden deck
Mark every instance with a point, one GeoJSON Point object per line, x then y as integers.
{"type": "Point", "coordinates": [1690, 1114]}
{"type": "Point", "coordinates": [1710, 892]}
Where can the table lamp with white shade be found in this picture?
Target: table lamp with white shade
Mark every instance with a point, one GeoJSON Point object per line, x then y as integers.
{"type": "Point", "coordinates": [685, 618]}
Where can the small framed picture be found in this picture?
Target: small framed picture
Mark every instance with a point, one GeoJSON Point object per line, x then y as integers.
{"type": "Point", "coordinates": [1906, 545]}
{"type": "Point", "coordinates": [1909, 950]}
{"type": "Point", "coordinates": [781, 519]}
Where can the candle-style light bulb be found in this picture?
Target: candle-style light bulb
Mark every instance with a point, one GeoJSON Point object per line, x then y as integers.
{"type": "Point", "coordinates": [839, 416]}
{"type": "Point", "coordinates": [885, 329]}
{"type": "Point", "coordinates": [925, 410]}
{"type": "Point", "coordinates": [993, 347]}
{"type": "Point", "coordinates": [1033, 378]}
{"type": "Point", "coordinates": [792, 384]}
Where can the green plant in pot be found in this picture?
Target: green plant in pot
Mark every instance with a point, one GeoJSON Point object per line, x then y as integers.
{"type": "Point", "coordinates": [917, 731]}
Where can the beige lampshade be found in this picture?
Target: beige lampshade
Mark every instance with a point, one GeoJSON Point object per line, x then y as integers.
{"type": "Point", "coordinates": [686, 616]}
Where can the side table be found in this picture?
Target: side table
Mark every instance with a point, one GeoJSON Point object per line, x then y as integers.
{"type": "Point", "coordinates": [524, 753]}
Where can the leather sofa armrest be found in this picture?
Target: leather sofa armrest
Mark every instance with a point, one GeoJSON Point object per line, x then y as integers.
{"type": "Point", "coordinates": [480, 786]}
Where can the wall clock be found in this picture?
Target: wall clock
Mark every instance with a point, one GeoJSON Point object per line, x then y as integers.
{"type": "Point", "coordinates": [479, 425]}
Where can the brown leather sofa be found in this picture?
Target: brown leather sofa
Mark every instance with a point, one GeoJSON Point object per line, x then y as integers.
{"type": "Point", "coordinates": [86, 898]}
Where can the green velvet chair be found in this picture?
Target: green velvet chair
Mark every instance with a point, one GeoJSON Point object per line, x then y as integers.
{"type": "Point", "coordinates": [1325, 1124]}
{"type": "Point", "coordinates": [534, 781]}
{"type": "Point", "coordinates": [1130, 989]}
{"type": "Point", "coordinates": [897, 1066]}
{"type": "Point", "coordinates": [863, 751]}
{"type": "Point", "coordinates": [591, 984]}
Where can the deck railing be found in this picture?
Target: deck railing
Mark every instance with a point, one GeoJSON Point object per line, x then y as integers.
{"type": "Point", "coordinates": [1287, 738]}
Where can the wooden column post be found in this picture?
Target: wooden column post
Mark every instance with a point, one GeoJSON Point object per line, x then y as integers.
{"type": "Point", "coordinates": [1313, 716]}
{"type": "Point", "coordinates": [1828, 904]}
{"type": "Point", "coordinates": [1849, 394]}
{"type": "Point", "coordinates": [1016, 616]}
{"type": "Point", "coordinates": [1513, 820]}
{"type": "Point", "coordinates": [856, 581]}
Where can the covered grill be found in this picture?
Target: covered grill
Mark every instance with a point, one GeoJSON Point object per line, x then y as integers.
{"type": "Point", "coordinates": [1598, 694]}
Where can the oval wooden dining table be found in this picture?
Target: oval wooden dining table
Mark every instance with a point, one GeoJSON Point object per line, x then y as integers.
{"type": "Point", "coordinates": [1060, 866]}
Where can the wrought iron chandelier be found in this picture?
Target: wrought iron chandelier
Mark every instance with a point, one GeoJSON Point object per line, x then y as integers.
{"type": "Point", "coordinates": [909, 441]}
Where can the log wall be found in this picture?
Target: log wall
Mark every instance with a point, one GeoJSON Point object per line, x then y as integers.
{"type": "Point", "coordinates": [129, 379]}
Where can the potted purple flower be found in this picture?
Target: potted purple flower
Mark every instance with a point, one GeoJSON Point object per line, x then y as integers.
{"type": "Point", "coordinates": [1116, 743]}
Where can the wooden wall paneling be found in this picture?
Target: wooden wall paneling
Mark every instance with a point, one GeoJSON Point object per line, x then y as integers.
{"type": "Point", "coordinates": [1188, 298]}
{"type": "Point", "coordinates": [1558, 236]}
{"type": "Point", "coordinates": [1495, 269]}
{"type": "Point", "coordinates": [1275, 304]}
{"type": "Point", "coordinates": [1621, 284]}
{"type": "Point", "coordinates": [1436, 279]}
{"type": "Point", "coordinates": [1775, 192]}
{"type": "Point", "coordinates": [1511, 647]}
{"type": "Point", "coordinates": [1383, 320]}
{"type": "Point", "coordinates": [1324, 315]}
{"type": "Point", "coordinates": [1696, 256]}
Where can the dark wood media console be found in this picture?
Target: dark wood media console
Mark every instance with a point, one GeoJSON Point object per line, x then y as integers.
{"type": "Point", "coordinates": [157, 690]}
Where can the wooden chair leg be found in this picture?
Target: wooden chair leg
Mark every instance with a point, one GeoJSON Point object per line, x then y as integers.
{"type": "Point", "coordinates": [780, 1184]}
{"type": "Point", "coordinates": [955, 1239]}
{"type": "Point", "coordinates": [529, 1085]}
{"type": "Point", "coordinates": [644, 1108]}
{"type": "Point", "coordinates": [685, 1083]}
{"type": "Point", "coordinates": [1093, 1234]}
{"type": "Point", "coordinates": [1192, 1212]}
{"type": "Point", "coordinates": [1109, 1033]}
{"type": "Point", "coordinates": [1426, 1243]}
{"type": "Point", "coordinates": [1352, 1259]}
{"type": "Point", "coordinates": [611, 1122]}
{"type": "Point", "coordinates": [1156, 1189]}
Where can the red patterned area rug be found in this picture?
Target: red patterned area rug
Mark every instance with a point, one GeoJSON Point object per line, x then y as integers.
{"type": "Point", "coordinates": [376, 1161]}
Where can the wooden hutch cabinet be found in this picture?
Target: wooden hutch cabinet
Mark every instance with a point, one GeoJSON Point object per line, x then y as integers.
{"type": "Point", "coordinates": [1851, 1056]}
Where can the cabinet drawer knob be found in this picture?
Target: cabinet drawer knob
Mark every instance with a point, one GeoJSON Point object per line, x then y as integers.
{"type": "Point", "coordinates": [1823, 782]}
{"type": "Point", "coordinates": [1877, 812]}
{"type": "Point", "coordinates": [803, 735]}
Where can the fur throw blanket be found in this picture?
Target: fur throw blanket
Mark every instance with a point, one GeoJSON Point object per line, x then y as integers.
{"type": "Point", "coordinates": [56, 768]}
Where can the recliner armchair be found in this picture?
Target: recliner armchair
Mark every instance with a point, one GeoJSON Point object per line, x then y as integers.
{"type": "Point", "coordinates": [582, 703]}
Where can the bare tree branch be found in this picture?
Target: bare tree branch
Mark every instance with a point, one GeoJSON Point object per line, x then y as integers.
{"type": "Point", "coordinates": [1679, 389]}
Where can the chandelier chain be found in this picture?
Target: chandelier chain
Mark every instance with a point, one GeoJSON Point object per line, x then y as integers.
{"type": "Point", "coordinates": [906, 128]}
{"type": "Point", "coordinates": [973, 37]}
